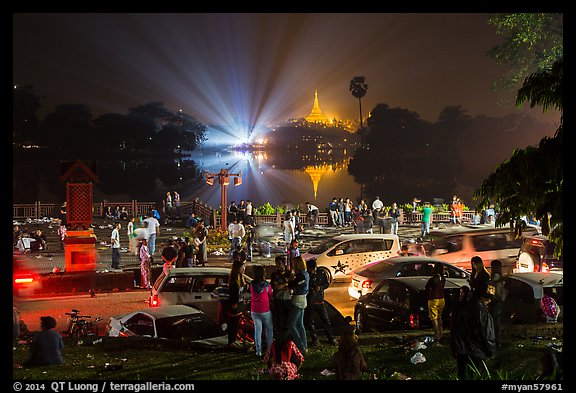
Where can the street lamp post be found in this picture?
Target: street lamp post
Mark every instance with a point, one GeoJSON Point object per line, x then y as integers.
{"type": "Point", "coordinates": [224, 180]}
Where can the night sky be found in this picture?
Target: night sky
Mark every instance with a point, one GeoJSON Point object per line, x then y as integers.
{"type": "Point", "coordinates": [261, 68]}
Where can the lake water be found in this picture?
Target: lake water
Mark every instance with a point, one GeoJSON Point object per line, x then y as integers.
{"type": "Point", "coordinates": [278, 177]}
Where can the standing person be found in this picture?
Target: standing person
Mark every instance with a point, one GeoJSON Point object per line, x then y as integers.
{"type": "Point", "coordinates": [315, 304]}
{"type": "Point", "coordinates": [249, 241]}
{"type": "Point", "coordinates": [169, 257]}
{"type": "Point", "coordinates": [115, 241]}
{"type": "Point", "coordinates": [436, 302]}
{"type": "Point", "coordinates": [348, 361]}
{"type": "Point", "coordinates": [280, 279]}
{"type": "Point", "coordinates": [236, 232]}
{"type": "Point", "coordinates": [313, 213]}
{"type": "Point", "coordinates": [499, 297]}
{"type": "Point", "coordinates": [232, 212]}
{"type": "Point", "coordinates": [459, 211]}
{"type": "Point", "coordinates": [362, 206]}
{"type": "Point", "coordinates": [141, 234]}
{"type": "Point", "coordinates": [145, 265]}
{"type": "Point", "coordinates": [472, 337]}
{"type": "Point", "coordinates": [283, 358]}
{"type": "Point", "coordinates": [394, 216]}
{"type": "Point", "coordinates": [202, 236]}
{"type": "Point", "coordinates": [153, 232]}
{"type": "Point", "coordinates": [176, 203]}
{"type": "Point", "coordinates": [377, 206]}
{"type": "Point", "coordinates": [480, 277]}
{"type": "Point", "coordinates": [426, 219]}
{"type": "Point", "coordinates": [168, 204]}
{"type": "Point", "coordinates": [241, 214]}
{"type": "Point", "coordinates": [63, 215]}
{"type": "Point", "coordinates": [297, 223]}
{"type": "Point", "coordinates": [234, 304]}
{"type": "Point", "coordinates": [299, 286]}
{"type": "Point", "coordinates": [131, 236]}
{"type": "Point", "coordinates": [261, 299]}
{"type": "Point", "coordinates": [333, 209]}
{"type": "Point", "coordinates": [62, 231]}
{"type": "Point", "coordinates": [341, 219]}
{"type": "Point", "coordinates": [47, 345]}
{"type": "Point", "coordinates": [288, 225]}
{"type": "Point", "coordinates": [192, 221]}
{"type": "Point", "coordinates": [250, 212]}
{"type": "Point", "coordinates": [190, 251]}
{"type": "Point", "coordinates": [453, 208]}
{"type": "Point", "coordinates": [348, 206]}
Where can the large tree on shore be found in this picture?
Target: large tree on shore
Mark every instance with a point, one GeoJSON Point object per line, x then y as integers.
{"type": "Point", "coordinates": [358, 88]}
{"type": "Point", "coordinates": [531, 181]}
{"type": "Point", "coordinates": [531, 43]}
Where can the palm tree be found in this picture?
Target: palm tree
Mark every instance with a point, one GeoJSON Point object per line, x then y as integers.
{"type": "Point", "coordinates": [358, 88]}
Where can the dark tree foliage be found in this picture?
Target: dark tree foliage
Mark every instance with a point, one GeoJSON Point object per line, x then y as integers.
{"type": "Point", "coordinates": [25, 107]}
{"type": "Point", "coordinates": [69, 127]}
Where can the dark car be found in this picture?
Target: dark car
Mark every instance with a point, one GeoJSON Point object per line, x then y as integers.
{"type": "Point", "coordinates": [402, 303]}
{"type": "Point", "coordinates": [366, 278]}
{"type": "Point", "coordinates": [524, 292]}
{"type": "Point", "coordinates": [536, 254]}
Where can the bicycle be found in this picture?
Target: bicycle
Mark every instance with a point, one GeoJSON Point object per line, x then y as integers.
{"type": "Point", "coordinates": [81, 325]}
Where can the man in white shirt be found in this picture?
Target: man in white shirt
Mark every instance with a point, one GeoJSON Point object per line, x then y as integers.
{"type": "Point", "coordinates": [377, 205]}
{"type": "Point", "coordinates": [313, 212]}
{"type": "Point", "coordinates": [153, 231]}
{"type": "Point", "coordinates": [115, 240]}
{"type": "Point", "coordinates": [236, 232]}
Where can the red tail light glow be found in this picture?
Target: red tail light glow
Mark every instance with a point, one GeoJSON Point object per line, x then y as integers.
{"type": "Point", "coordinates": [367, 284]}
{"type": "Point", "coordinates": [414, 321]}
{"type": "Point", "coordinates": [154, 302]}
{"type": "Point", "coordinates": [23, 280]}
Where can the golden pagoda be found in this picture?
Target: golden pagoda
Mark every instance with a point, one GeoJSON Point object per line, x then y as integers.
{"type": "Point", "coordinates": [316, 116]}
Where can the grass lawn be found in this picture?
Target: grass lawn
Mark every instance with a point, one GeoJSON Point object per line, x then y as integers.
{"type": "Point", "coordinates": [388, 357]}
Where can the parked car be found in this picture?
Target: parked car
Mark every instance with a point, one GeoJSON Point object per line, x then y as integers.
{"type": "Point", "coordinates": [459, 244]}
{"type": "Point", "coordinates": [524, 293]}
{"type": "Point", "coordinates": [536, 254]}
{"type": "Point", "coordinates": [191, 286]}
{"type": "Point", "coordinates": [174, 322]}
{"type": "Point", "coordinates": [366, 278]}
{"type": "Point", "coordinates": [402, 303]}
{"type": "Point", "coordinates": [338, 256]}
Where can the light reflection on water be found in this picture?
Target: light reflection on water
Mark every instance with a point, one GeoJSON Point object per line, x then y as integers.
{"type": "Point", "coordinates": [280, 177]}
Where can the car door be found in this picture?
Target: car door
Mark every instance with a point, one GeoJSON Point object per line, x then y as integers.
{"type": "Point", "coordinates": [201, 293]}
{"type": "Point", "coordinates": [355, 253]}
{"type": "Point", "coordinates": [496, 246]}
{"type": "Point", "coordinates": [519, 306]}
{"type": "Point", "coordinates": [386, 308]}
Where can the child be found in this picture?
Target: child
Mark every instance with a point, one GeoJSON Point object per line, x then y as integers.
{"type": "Point", "coordinates": [349, 360]}
{"type": "Point", "coordinates": [169, 256]}
{"type": "Point", "coordinates": [292, 253]}
{"type": "Point", "coordinates": [283, 358]}
{"type": "Point", "coordinates": [145, 265]}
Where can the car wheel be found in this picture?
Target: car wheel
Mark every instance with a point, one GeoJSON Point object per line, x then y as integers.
{"type": "Point", "coordinates": [327, 274]}
{"type": "Point", "coordinates": [360, 319]}
{"type": "Point", "coordinates": [526, 262]}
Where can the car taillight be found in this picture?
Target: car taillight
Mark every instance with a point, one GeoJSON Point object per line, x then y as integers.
{"type": "Point", "coordinates": [154, 302]}
{"type": "Point", "coordinates": [535, 242]}
{"type": "Point", "coordinates": [367, 284]}
{"type": "Point", "coordinates": [545, 268]}
{"type": "Point", "coordinates": [23, 280]}
{"type": "Point", "coordinates": [414, 321]}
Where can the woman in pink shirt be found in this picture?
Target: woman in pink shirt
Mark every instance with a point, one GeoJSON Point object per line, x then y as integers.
{"type": "Point", "coordinates": [261, 292]}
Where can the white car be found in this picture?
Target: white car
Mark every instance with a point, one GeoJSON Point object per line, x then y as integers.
{"type": "Point", "coordinates": [174, 322]}
{"type": "Point", "coordinates": [366, 278]}
{"type": "Point", "coordinates": [338, 256]}
{"type": "Point", "coordinates": [458, 245]}
{"type": "Point", "coordinates": [191, 286]}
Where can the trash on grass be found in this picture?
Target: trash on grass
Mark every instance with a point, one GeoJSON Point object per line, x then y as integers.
{"type": "Point", "coordinates": [418, 358]}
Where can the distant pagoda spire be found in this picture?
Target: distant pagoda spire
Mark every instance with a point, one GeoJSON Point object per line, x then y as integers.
{"type": "Point", "coordinates": [316, 116]}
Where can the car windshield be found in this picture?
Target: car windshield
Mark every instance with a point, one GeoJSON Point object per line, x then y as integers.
{"type": "Point", "coordinates": [325, 245]}
{"type": "Point", "coordinates": [188, 327]}
{"type": "Point", "coordinates": [375, 269]}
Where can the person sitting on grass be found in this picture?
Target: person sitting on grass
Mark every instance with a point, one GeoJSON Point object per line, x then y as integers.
{"type": "Point", "coordinates": [46, 347]}
{"type": "Point", "coordinates": [349, 360]}
{"type": "Point", "coordinates": [283, 358]}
